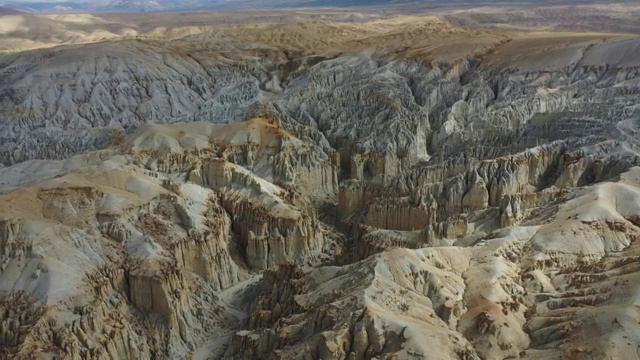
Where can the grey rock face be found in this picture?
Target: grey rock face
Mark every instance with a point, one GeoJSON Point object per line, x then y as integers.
{"type": "Point", "coordinates": [52, 96]}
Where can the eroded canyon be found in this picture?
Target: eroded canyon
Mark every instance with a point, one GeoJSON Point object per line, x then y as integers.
{"type": "Point", "coordinates": [346, 185]}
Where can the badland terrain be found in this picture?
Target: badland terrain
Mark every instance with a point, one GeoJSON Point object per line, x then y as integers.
{"type": "Point", "coordinates": [385, 181]}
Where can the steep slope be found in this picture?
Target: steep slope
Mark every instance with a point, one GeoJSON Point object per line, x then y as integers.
{"type": "Point", "coordinates": [142, 238]}
{"type": "Point", "coordinates": [555, 287]}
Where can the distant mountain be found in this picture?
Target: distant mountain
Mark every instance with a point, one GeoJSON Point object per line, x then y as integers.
{"type": "Point", "coordinates": [127, 6]}
{"type": "Point", "coordinates": [123, 6]}
{"type": "Point", "coordinates": [132, 6]}
{"type": "Point", "coordinates": [10, 11]}
{"type": "Point", "coordinates": [47, 6]}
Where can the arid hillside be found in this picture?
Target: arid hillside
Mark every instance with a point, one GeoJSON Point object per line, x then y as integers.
{"type": "Point", "coordinates": [450, 183]}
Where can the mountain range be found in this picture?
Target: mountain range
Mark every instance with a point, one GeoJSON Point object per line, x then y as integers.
{"type": "Point", "coordinates": [133, 6]}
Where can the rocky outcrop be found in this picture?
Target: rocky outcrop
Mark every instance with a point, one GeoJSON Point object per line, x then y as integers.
{"type": "Point", "coordinates": [146, 264]}
{"type": "Point", "coordinates": [325, 314]}
{"type": "Point", "coordinates": [399, 214]}
{"type": "Point", "coordinates": [206, 255]}
{"type": "Point", "coordinates": [273, 230]}
{"type": "Point", "coordinates": [272, 240]}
